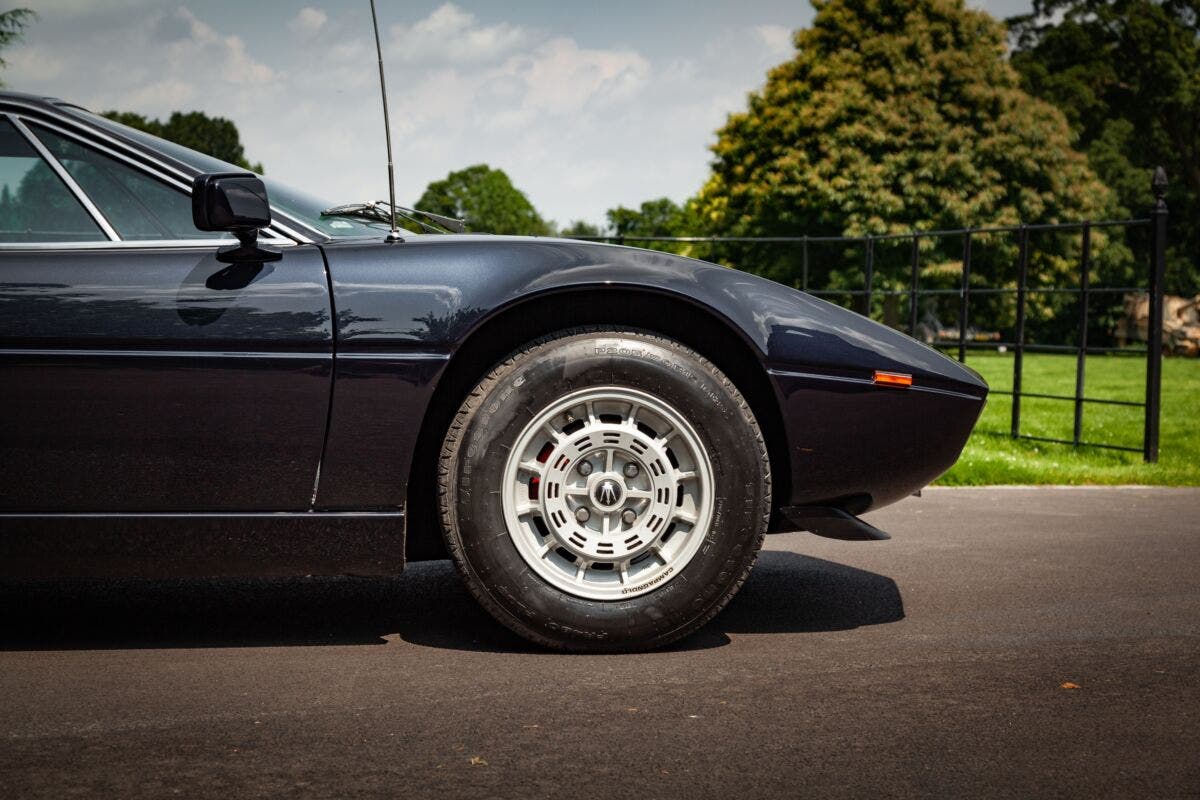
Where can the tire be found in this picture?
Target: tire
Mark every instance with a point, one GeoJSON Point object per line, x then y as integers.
{"type": "Point", "coordinates": [675, 496]}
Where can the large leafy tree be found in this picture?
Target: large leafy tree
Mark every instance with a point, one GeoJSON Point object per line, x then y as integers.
{"type": "Point", "coordinates": [12, 28]}
{"type": "Point", "coordinates": [214, 136]}
{"type": "Point", "coordinates": [486, 199]}
{"type": "Point", "coordinates": [896, 115]}
{"type": "Point", "coordinates": [1127, 75]}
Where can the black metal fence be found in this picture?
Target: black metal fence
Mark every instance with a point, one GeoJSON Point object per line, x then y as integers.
{"type": "Point", "coordinates": [1153, 231]}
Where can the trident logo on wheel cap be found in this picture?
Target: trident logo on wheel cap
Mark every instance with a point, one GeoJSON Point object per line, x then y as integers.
{"type": "Point", "coordinates": [607, 492]}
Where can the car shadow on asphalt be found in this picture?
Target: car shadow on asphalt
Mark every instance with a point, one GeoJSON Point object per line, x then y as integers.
{"type": "Point", "coordinates": [428, 606]}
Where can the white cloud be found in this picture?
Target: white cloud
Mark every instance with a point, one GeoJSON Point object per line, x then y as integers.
{"type": "Point", "coordinates": [33, 62]}
{"type": "Point", "coordinates": [75, 7]}
{"type": "Point", "coordinates": [776, 38]}
{"type": "Point", "coordinates": [451, 34]}
{"type": "Point", "coordinates": [237, 66]}
{"type": "Point", "coordinates": [308, 21]}
{"type": "Point", "coordinates": [170, 93]}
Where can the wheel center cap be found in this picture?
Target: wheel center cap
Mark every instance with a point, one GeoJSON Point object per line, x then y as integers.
{"type": "Point", "coordinates": [607, 493]}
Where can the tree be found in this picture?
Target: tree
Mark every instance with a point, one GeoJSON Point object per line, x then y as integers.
{"type": "Point", "coordinates": [213, 136]}
{"type": "Point", "coordinates": [12, 28]}
{"type": "Point", "coordinates": [486, 199]}
{"type": "Point", "coordinates": [580, 228]}
{"type": "Point", "coordinates": [896, 115]}
{"type": "Point", "coordinates": [1127, 75]}
{"type": "Point", "coordinates": [661, 217]}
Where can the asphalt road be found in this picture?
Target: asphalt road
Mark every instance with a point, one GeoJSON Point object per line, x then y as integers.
{"type": "Point", "coordinates": [1006, 642]}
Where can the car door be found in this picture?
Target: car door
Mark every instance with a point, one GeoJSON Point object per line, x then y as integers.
{"type": "Point", "coordinates": [138, 373]}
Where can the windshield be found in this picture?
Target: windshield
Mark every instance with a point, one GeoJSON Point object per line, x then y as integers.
{"type": "Point", "coordinates": [292, 202]}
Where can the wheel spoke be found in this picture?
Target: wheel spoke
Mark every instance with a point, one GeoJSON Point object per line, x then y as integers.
{"type": "Point", "coordinates": [639, 494]}
{"type": "Point", "coordinates": [575, 491]}
{"type": "Point", "coordinates": [684, 516]}
{"type": "Point", "coordinates": [526, 508]}
{"type": "Point", "coordinates": [536, 467]}
{"type": "Point", "coordinates": [609, 454]}
{"type": "Point", "coordinates": [555, 434]}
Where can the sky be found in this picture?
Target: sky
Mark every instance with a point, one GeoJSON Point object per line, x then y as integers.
{"type": "Point", "coordinates": [585, 105]}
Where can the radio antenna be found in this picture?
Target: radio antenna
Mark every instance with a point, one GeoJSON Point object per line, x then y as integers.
{"type": "Point", "coordinates": [394, 233]}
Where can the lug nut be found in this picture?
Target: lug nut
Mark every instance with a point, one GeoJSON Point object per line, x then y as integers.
{"type": "Point", "coordinates": [631, 470]}
{"type": "Point", "coordinates": [585, 468]}
{"type": "Point", "coordinates": [628, 516]}
{"type": "Point", "coordinates": [582, 514]}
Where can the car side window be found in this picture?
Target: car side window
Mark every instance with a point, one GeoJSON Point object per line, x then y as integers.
{"type": "Point", "coordinates": [139, 207]}
{"type": "Point", "coordinates": [35, 204]}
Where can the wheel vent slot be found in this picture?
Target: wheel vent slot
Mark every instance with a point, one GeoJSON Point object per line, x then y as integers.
{"type": "Point", "coordinates": [611, 419]}
{"type": "Point", "coordinates": [553, 489]}
{"type": "Point", "coordinates": [672, 458]}
{"type": "Point", "coordinates": [559, 519]}
{"type": "Point", "coordinates": [583, 444]}
{"type": "Point", "coordinates": [540, 526]}
{"type": "Point", "coordinates": [565, 553]}
{"type": "Point", "coordinates": [637, 447]}
{"type": "Point", "coordinates": [633, 542]}
{"type": "Point", "coordinates": [656, 467]}
{"type": "Point", "coordinates": [561, 462]}
{"type": "Point", "coordinates": [605, 548]}
{"type": "Point", "coordinates": [647, 430]}
{"type": "Point", "coordinates": [572, 427]}
{"type": "Point", "coordinates": [670, 532]}
{"type": "Point", "coordinates": [663, 495]}
{"type": "Point", "coordinates": [577, 540]}
{"type": "Point", "coordinates": [655, 523]}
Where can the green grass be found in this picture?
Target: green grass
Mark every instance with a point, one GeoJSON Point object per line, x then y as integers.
{"type": "Point", "coordinates": [993, 457]}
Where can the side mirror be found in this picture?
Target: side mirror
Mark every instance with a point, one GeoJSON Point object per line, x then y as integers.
{"type": "Point", "coordinates": [235, 202]}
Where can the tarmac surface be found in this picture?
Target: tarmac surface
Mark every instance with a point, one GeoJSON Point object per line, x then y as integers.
{"type": "Point", "coordinates": [1006, 642]}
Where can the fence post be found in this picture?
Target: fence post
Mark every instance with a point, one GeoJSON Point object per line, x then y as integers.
{"type": "Point", "coordinates": [1158, 259]}
{"type": "Point", "coordinates": [870, 278]}
{"type": "Point", "coordinates": [912, 286]}
{"type": "Point", "coordinates": [1081, 358]}
{"type": "Point", "coordinates": [1019, 335]}
{"type": "Point", "coordinates": [804, 264]}
{"type": "Point", "coordinates": [964, 298]}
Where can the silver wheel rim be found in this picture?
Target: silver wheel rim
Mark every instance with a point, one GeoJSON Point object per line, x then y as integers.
{"type": "Point", "coordinates": [608, 493]}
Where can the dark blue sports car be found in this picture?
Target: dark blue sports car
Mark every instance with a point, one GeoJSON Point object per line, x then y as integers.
{"type": "Point", "coordinates": [206, 373]}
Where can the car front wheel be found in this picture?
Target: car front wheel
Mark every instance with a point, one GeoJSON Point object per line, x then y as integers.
{"type": "Point", "coordinates": [604, 490]}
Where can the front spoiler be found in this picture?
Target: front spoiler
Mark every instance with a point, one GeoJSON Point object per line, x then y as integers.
{"type": "Point", "coordinates": [832, 523]}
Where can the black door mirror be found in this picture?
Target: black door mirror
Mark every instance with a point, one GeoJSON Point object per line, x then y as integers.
{"type": "Point", "coordinates": [235, 202]}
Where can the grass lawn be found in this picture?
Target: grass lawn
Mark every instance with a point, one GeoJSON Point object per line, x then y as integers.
{"type": "Point", "coordinates": [993, 457]}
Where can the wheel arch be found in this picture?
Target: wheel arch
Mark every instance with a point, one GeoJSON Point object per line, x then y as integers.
{"type": "Point", "coordinates": [509, 328]}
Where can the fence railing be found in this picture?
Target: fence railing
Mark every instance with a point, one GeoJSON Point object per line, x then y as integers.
{"type": "Point", "coordinates": [1022, 290]}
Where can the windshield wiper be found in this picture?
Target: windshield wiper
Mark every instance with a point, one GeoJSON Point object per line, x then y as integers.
{"type": "Point", "coordinates": [378, 211]}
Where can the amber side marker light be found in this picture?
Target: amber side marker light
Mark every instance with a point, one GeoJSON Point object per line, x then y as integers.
{"type": "Point", "coordinates": [892, 379]}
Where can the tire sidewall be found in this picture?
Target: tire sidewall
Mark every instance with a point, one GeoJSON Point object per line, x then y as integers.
{"type": "Point", "coordinates": [536, 379]}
